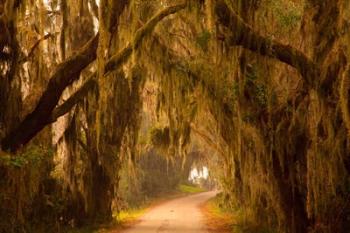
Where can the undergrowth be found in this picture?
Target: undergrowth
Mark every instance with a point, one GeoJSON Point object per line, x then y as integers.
{"type": "Point", "coordinates": [222, 219]}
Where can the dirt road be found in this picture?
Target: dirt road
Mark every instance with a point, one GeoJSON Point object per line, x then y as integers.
{"type": "Point", "coordinates": [180, 215]}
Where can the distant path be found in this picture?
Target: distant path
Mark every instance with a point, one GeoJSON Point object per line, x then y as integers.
{"type": "Point", "coordinates": [181, 215]}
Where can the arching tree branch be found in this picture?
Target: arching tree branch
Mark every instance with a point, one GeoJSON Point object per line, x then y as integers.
{"type": "Point", "coordinates": [68, 72]}
{"type": "Point", "coordinates": [239, 33]}
{"type": "Point", "coordinates": [36, 44]}
{"type": "Point", "coordinates": [115, 61]}
{"type": "Point", "coordinates": [207, 139]}
{"type": "Point", "coordinates": [65, 74]}
{"type": "Point", "coordinates": [78, 96]}
{"type": "Point", "coordinates": [118, 59]}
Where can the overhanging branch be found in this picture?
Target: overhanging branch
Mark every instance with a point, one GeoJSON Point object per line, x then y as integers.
{"type": "Point", "coordinates": [66, 73]}
{"type": "Point", "coordinates": [241, 34]}
{"type": "Point", "coordinates": [207, 139]}
{"type": "Point", "coordinates": [116, 60]}
{"type": "Point", "coordinates": [36, 44]}
{"type": "Point", "coordinates": [78, 96]}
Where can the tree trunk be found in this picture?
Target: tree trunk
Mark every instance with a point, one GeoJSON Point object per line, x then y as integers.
{"type": "Point", "coordinates": [291, 202]}
{"type": "Point", "coordinates": [102, 193]}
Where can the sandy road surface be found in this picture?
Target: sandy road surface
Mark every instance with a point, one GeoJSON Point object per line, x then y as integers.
{"type": "Point", "coordinates": [181, 215]}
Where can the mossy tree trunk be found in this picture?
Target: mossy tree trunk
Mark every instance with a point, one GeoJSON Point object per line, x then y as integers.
{"type": "Point", "coordinates": [321, 66]}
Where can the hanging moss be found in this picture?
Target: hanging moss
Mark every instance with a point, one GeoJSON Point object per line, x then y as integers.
{"type": "Point", "coordinates": [266, 80]}
{"type": "Point", "coordinates": [160, 137]}
{"type": "Point", "coordinates": [344, 99]}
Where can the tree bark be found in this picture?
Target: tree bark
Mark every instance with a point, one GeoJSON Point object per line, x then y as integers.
{"type": "Point", "coordinates": [291, 201]}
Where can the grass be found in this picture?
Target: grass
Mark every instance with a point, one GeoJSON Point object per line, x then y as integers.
{"type": "Point", "coordinates": [218, 220]}
{"type": "Point", "coordinates": [130, 215]}
{"type": "Point", "coordinates": [221, 220]}
{"type": "Point", "coordinates": [190, 189]}
{"type": "Point", "coordinates": [123, 220]}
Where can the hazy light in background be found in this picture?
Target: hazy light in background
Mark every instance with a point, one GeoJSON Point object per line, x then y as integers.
{"type": "Point", "coordinates": [196, 174]}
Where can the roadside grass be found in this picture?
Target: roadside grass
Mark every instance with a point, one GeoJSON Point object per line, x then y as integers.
{"type": "Point", "coordinates": [221, 220]}
{"type": "Point", "coordinates": [128, 217]}
{"type": "Point", "coordinates": [218, 220]}
{"type": "Point", "coordinates": [122, 220]}
{"type": "Point", "coordinates": [190, 189]}
{"type": "Point", "coordinates": [130, 214]}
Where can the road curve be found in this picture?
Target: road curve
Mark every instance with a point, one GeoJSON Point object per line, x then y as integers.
{"type": "Point", "coordinates": [181, 215]}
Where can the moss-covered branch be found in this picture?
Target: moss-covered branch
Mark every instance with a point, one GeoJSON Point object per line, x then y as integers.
{"type": "Point", "coordinates": [66, 73]}
{"type": "Point", "coordinates": [116, 60]}
{"type": "Point", "coordinates": [207, 139]}
{"type": "Point", "coordinates": [35, 46]}
{"type": "Point", "coordinates": [119, 58]}
{"type": "Point", "coordinates": [239, 33]}
{"type": "Point", "coordinates": [78, 96]}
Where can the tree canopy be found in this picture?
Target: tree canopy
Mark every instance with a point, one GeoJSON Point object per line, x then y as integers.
{"type": "Point", "coordinates": [88, 87]}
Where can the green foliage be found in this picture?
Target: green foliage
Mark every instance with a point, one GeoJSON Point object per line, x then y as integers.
{"type": "Point", "coordinates": [186, 188]}
{"type": "Point", "coordinates": [129, 214]}
{"type": "Point", "coordinates": [290, 20]}
{"type": "Point", "coordinates": [256, 87]}
{"type": "Point", "coordinates": [203, 40]}
{"type": "Point", "coordinates": [235, 90]}
{"type": "Point", "coordinates": [237, 217]}
{"type": "Point", "coordinates": [261, 94]}
{"type": "Point", "coordinates": [217, 206]}
{"type": "Point", "coordinates": [11, 161]}
{"type": "Point", "coordinates": [27, 175]}
{"type": "Point", "coordinates": [288, 14]}
{"type": "Point", "coordinates": [32, 156]}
